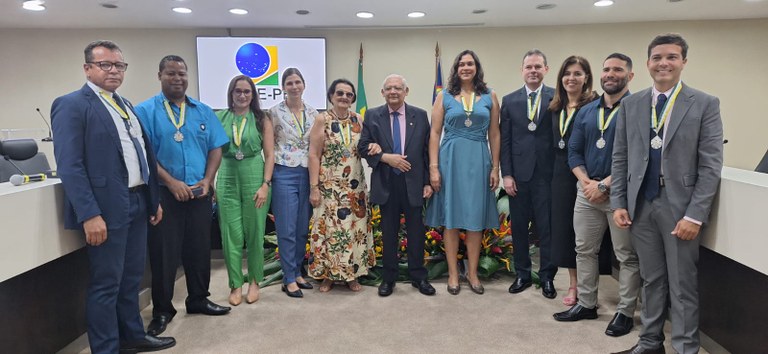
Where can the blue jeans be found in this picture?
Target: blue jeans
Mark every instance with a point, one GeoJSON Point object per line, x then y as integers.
{"type": "Point", "coordinates": [290, 205]}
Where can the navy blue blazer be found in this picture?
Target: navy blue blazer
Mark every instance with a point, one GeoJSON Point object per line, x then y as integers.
{"type": "Point", "coordinates": [376, 129]}
{"type": "Point", "coordinates": [524, 151]}
{"type": "Point", "coordinates": [90, 162]}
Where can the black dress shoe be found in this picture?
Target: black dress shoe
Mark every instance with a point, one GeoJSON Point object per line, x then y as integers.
{"type": "Point", "coordinates": [147, 344]}
{"type": "Point", "coordinates": [620, 325]}
{"type": "Point", "coordinates": [519, 285]}
{"type": "Point", "coordinates": [208, 308]}
{"type": "Point", "coordinates": [637, 349]}
{"type": "Point", "coordinates": [297, 293]}
{"type": "Point", "coordinates": [424, 287]}
{"type": "Point", "coordinates": [305, 285]}
{"type": "Point", "coordinates": [386, 288]}
{"type": "Point", "coordinates": [548, 289]}
{"type": "Point", "coordinates": [576, 313]}
{"type": "Point", "coordinates": [158, 325]}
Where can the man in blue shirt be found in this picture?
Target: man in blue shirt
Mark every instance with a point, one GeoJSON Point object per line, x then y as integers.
{"type": "Point", "coordinates": [187, 137]}
{"type": "Point", "coordinates": [589, 156]}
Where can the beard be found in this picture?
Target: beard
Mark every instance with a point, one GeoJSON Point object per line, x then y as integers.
{"type": "Point", "coordinates": [620, 85]}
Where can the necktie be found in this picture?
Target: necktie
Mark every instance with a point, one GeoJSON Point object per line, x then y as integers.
{"type": "Point", "coordinates": [143, 166]}
{"type": "Point", "coordinates": [654, 157]}
{"type": "Point", "coordinates": [532, 95]}
{"type": "Point", "coordinates": [396, 138]}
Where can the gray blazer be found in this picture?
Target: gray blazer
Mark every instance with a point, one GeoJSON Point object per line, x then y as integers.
{"type": "Point", "coordinates": [692, 155]}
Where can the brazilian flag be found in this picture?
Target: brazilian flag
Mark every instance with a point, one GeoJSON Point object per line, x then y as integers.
{"type": "Point", "coordinates": [362, 103]}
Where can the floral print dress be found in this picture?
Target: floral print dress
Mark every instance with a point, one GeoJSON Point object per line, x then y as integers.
{"type": "Point", "coordinates": [341, 238]}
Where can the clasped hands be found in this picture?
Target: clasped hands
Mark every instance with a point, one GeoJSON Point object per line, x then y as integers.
{"type": "Point", "coordinates": [593, 194]}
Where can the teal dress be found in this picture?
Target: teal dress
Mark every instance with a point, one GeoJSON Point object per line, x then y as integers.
{"type": "Point", "coordinates": [465, 200]}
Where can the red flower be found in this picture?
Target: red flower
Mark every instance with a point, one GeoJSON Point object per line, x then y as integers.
{"type": "Point", "coordinates": [496, 249]}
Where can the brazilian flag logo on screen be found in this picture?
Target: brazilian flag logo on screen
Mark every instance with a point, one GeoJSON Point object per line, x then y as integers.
{"type": "Point", "coordinates": [259, 63]}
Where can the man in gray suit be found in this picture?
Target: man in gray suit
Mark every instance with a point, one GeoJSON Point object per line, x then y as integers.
{"type": "Point", "coordinates": [667, 159]}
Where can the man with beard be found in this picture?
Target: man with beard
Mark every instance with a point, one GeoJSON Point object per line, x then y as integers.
{"type": "Point", "coordinates": [187, 138]}
{"type": "Point", "coordinates": [589, 156]}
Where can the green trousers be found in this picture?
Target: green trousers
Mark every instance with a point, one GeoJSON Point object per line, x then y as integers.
{"type": "Point", "coordinates": [239, 219]}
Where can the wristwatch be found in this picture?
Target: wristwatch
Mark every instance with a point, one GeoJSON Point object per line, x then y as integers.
{"type": "Point", "coordinates": [268, 183]}
{"type": "Point", "coordinates": [602, 187]}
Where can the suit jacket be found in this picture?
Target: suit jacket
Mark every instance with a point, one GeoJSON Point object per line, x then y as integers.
{"type": "Point", "coordinates": [523, 151]}
{"type": "Point", "coordinates": [90, 161]}
{"type": "Point", "coordinates": [377, 129]}
{"type": "Point", "coordinates": [692, 155]}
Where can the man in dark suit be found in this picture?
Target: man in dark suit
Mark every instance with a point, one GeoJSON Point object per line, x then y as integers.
{"type": "Point", "coordinates": [527, 160]}
{"type": "Point", "coordinates": [394, 142]}
{"type": "Point", "coordinates": [667, 159]}
{"type": "Point", "coordinates": [110, 182]}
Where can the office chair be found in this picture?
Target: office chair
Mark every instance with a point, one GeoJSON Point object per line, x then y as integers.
{"type": "Point", "coordinates": [20, 156]}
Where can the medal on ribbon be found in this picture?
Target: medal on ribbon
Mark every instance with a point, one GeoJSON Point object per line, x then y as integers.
{"type": "Point", "coordinates": [178, 136]}
{"type": "Point", "coordinates": [566, 116]}
{"type": "Point", "coordinates": [603, 124]}
{"type": "Point", "coordinates": [533, 108]}
{"type": "Point", "coordinates": [237, 137]}
{"type": "Point", "coordinates": [468, 108]}
{"type": "Point", "coordinates": [657, 123]}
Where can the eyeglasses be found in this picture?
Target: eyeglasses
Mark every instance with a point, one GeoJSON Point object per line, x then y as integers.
{"type": "Point", "coordinates": [340, 93]}
{"type": "Point", "coordinates": [242, 92]}
{"type": "Point", "coordinates": [107, 66]}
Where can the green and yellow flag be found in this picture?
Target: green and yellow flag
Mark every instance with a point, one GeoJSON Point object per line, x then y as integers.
{"type": "Point", "coordinates": [362, 103]}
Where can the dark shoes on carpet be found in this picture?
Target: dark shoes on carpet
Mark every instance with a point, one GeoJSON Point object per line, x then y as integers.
{"type": "Point", "coordinates": [147, 344]}
{"type": "Point", "coordinates": [620, 325]}
{"type": "Point", "coordinates": [548, 289]}
{"type": "Point", "coordinates": [576, 313]}
{"type": "Point", "coordinates": [519, 285]}
{"type": "Point", "coordinates": [207, 307]}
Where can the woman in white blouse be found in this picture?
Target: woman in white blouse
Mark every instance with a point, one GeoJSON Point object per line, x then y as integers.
{"type": "Point", "coordinates": [292, 120]}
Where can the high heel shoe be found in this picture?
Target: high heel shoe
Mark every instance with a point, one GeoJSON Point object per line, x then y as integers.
{"type": "Point", "coordinates": [477, 289]}
{"type": "Point", "coordinates": [571, 300]}
{"type": "Point", "coordinates": [296, 293]}
{"type": "Point", "coordinates": [454, 290]}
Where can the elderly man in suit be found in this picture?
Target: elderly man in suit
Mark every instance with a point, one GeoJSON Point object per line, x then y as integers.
{"type": "Point", "coordinates": [394, 143]}
{"type": "Point", "coordinates": [667, 159]}
{"type": "Point", "coordinates": [527, 160]}
{"type": "Point", "coordinates": [110, 182]}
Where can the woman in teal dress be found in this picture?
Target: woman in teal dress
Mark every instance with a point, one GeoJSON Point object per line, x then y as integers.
{"type": "Point", "coordinates": [462, 171]}
{"type": "Point", "coordinates": [243, 186]}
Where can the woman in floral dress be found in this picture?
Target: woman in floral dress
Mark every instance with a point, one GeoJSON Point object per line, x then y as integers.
{"type": "Point", "coordinates": [341, 239]}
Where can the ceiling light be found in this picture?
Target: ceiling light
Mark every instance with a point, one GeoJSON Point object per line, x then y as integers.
{"type": "Point", "coordinates": [602, 3]}
{"type": "Point", "coordinates": [545, 6]}
{"type": "Point", "coordinates": [479, 11]}
{"type": "Point", "coordinates": [364, 14]}
{"type": "Point", "coordinates": [238, 11]}
{"type": "Point", "coordinates": [33, 5]}
{"type": "Point", "coordinates": [108, 5]}
{"type": "Point", "coordinates": [416, 14]}
{"type": "Point", "coordinates": [182, 10]}
{"type": "Point", "coordinates": [302, 12]}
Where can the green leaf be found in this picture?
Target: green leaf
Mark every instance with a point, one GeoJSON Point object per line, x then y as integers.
{"type": "Point", "coordinates": [436, 269]}
{"type": "Point", "coordinates": [271, 279]}
{"type": "Point", "coordinates": [487, 266]}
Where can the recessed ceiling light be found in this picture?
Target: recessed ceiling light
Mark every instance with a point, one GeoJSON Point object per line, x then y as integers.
{"type": "Point", "coordinates": [479, 11]}
{"type": "Point", "coordinates": [364, 14]}
{"type": "Point", "coordinates": [302, 12]}
{"type": "Point", "coordinates": [108, 5]}
{"type": "Point", "coordinates": [602, 3]}
{"type": "Point", "coordinates": [238, 11]}
{"type": "Point", "coordinates": [33, 5]}
{"type": "Point", "coordinates": [182, 10]}
{"type": "Point", "coordinates": [416, 14]}
{"type": "Point", "coordinates": [545, 6]}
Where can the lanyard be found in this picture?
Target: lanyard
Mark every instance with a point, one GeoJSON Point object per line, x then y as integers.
{"type": "Point", "coordinates": [237, 135]}
{"type": "Point", "coordinates": [657, 123]}
{"type": "Point", "coordinates": [178, 124]}
{"type": "Point", "coordinates": [300, 123]}
{"type": "Point", "coordinates": [468, 107]}
{"type": "Point", "coordinates": [564, 122]}
{"type": "Point", "coordinates": [533, 107]}
{"type": "Point", "coordinates": [107, 97]}
{"type": "Point", "coordinates": [602, 124]}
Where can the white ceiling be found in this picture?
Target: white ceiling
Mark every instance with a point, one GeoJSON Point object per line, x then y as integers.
{"type": "Point", "coordinates": [341, 13]}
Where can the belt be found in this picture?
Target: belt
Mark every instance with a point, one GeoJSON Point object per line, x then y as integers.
{"type": "Point", "coordinates": [137, 189]}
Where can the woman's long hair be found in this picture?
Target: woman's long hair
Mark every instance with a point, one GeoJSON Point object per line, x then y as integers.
{"type": "Point", "coordinates": [454, 82]}
{"type": "Point", "coordinates": [254, 106]}
{"type": "Point", "coordinates": [560, 100]}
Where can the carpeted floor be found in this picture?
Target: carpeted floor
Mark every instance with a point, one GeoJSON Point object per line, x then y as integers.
{"type": "Point", "coordinates": [342, 321]}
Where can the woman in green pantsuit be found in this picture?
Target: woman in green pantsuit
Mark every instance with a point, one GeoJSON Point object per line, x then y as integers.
{"type": "Point", "coordinates": [243, 186]}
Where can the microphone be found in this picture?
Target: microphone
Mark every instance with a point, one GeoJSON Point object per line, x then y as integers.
{"type": "Point", "coordinates": [18, 180]}
{"type": "Point", "coordinates": [50, 135]}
